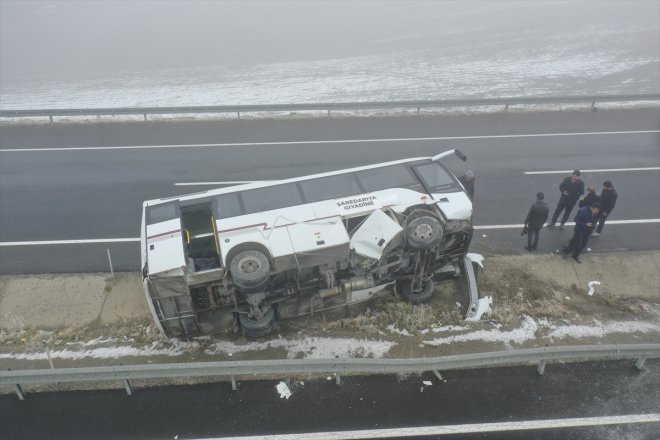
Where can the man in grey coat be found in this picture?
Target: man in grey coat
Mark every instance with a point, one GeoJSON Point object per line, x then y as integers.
{"type": "Point", "coordinates": [536, 217]}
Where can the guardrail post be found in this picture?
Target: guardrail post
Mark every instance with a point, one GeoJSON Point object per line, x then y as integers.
{"type": "Point", "coordinates": [418, 108]}
{"type": "Point", "coordinates": [145, 117]}
{"type": "Point", "coordinates": [593, 106]}
{"type": "Point", "coordinates": [338, 381]}
{"type": "Point", "coordinates": [328, 112]}
{"type": "Point", "coordinates": [640, 363]}
{"type": "Point", "coordinates": [541, 368]}
{"type": "Point", "coordinates": [239, 115]}
{"type": "Point", "coordinates": [19, 391]}
{"type": "Point", "coordinates": [506, 107]}
{"type": "Point", "coordinates": [127, 385]}
{"type": "Point", "coordinates": [50, 119]}
{"type": "Point", "coordinates": [233, 383]}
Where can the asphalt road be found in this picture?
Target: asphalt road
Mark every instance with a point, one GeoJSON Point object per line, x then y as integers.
{"type": "Point", "coordinates": [74, 188]}
{"type": "Point", "coordinates": [372, 402]}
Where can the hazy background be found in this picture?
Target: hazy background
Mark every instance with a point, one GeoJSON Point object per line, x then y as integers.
{"type": "Point", "coordinates": [63, 53]}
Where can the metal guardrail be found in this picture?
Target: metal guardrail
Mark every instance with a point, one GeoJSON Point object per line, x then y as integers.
{"type": "Point", "coordinates": [329, 106]}
{"type": "Point", "coordinates": [231, 369]}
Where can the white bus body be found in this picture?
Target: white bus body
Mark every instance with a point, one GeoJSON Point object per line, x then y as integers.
{"type": "Point", "coordinates": [246, 256]}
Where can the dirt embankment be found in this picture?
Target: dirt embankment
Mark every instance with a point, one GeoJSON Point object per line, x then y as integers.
{"type": "Point", "coordinates": [538, 300]}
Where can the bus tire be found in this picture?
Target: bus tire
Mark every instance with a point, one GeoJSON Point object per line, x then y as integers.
{"type": "Point", "coordinates": [250, 271]}
{"type": "Point", "coordinates": [420, 297]}
{"type": "Point", "coordinates": [258, 328]}
{"type": "Point", "coordinates": [423, 231]}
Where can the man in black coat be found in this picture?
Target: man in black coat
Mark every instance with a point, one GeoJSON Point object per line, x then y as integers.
{"type": "Point", "coordinates": [571, 188]}
{"type": "Point", "coordinates": [467, 180]}
{"type": "Point", "coordinates": [536, 217]}
{"type": "Point", "coordinates": [608, 198]}
{"type": "Point", "coordinates": [584, 226]}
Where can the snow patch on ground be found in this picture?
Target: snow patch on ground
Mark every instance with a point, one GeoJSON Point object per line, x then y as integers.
{"type": "Point", "coordinates": [311, 348]}
{"type": "Point", "coordinates": [328, 348]}
{"type": "Point", "coordinates": [530, 328]}
{"type": "Point", "coordinates": [599, 329]}
{"type": "Point", "coordinates": [525, 332]}
{"type": "Point", "coordinates": [393, 329]}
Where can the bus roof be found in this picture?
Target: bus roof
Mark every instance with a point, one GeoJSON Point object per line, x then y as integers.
{"type": "Point", "coordinates": [236, 188]}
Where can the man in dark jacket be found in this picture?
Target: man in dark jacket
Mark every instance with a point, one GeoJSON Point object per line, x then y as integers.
{"type": "Point", "coordinates": [571, 188]}
{"type": "Point", "coordinates": [467, 180]}
{"type": "Point", "coordinates": [537, 215]}
{"type": "Point", "coordinates": [608, 198]}
{"type": "Point", "coordinates": [584, 226]}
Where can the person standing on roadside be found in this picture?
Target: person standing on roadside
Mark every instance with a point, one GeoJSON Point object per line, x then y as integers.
{"type": "Point", "coordinates": [467, 180]}
{"type": "Point", "coordinates": [608, 198]}
{"type": "Point", "coordinates": [584, 226]}
{"type": "Point", "coordinates": [571, 188]}
{"type": "Point", "coordinates": [590, 198]}
{"type": "Point", "coordinates": [536, 217]}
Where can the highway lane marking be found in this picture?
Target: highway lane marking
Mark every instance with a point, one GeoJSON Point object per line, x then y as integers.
{"type": "Point", "coordinates": [130, 240]}
{"type": "Point", "coordinates": [234, 182]}
{"type": "Point", "coordinates": [609, 222]}
{"type": "Point", "coordinates": [459, 429]}
{"type": "Point", "coordinates": [88, 241]}
{"type": "Point", "coordinates": [610, 170]}
{"type": "Point", "coordinates": [338, 141]}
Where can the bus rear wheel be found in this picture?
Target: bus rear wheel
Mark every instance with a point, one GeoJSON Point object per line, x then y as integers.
{"type": "Point", "coordinates": [418, 295]}
{"type": "Point", "coordinates": [258, 328]}
{"type": "Point", "coordinates": [250, 271]}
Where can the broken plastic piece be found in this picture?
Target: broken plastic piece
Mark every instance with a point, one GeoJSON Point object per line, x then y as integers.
{"type": "Point", "coordinates": [483, 307]}
{"type": "Point", "coordinates": [476, 258]}
{"type": "Point", "coordinates": [591, 285]}
{"type": "Point", "coordinates": [428, 383]}
{"type": "Point", "coordinates": [284, 390]}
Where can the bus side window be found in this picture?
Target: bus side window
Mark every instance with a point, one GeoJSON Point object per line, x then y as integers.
{"type": "Point", "coordinates": [227, 205]}
{"type": "Point", "coordinates": [394, 176]}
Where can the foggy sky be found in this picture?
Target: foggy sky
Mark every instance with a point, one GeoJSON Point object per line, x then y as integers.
{"type": "Point", "coordinates": [63, 38]}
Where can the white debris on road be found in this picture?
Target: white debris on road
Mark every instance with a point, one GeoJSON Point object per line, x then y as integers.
{"type": "Point", "coordinates": [591, 285]}
{"type": "Point", "coordinates": [428, 383]}
{"type": "Point", "coordinates": [284, 390]}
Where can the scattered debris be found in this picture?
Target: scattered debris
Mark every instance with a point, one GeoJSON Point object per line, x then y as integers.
{"type": "Point", "coordinates": [483, 307]}
{"type": "Point", "coordinates": [476, 258]}
{"type": "Point", "coordinates": [428, 383]}
{"type": "Point", "coordinates": [283, 389]}
{"type": "Point", "coordinates": [591, 285]}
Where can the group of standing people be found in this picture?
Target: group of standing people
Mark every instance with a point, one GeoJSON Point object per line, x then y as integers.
{"type": "Point", "coordinates": [590, 219]}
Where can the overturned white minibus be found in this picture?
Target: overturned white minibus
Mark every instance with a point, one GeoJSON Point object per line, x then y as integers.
{"type": "Point", "coordinates": [247, 256]}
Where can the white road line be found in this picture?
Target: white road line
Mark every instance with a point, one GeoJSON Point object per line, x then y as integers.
{"type": "Point", "coordinates": [130, 240]}
{"type": "Point", "coordinates": [609, 222]}
{"type": "Point", "coordinates": [88, 241]}
{"type": "Point", "coordinates": [459, 429]}
{"type": "Point", "coordinates": [610, 170]}
{"type": "Point", "coordinates": [235, 182]}
{"type": "Point", "coordinates": [339, 141]}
